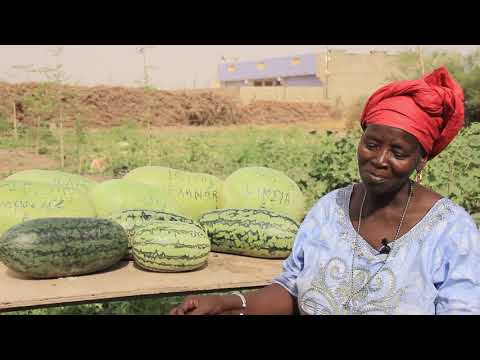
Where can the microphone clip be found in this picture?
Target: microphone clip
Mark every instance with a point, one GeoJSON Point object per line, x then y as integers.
{"type": "Point", "coordinates": [385, 248]}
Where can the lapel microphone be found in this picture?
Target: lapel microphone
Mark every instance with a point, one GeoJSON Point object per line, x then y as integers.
{"type": "Point", "coordinates": [385, 249]}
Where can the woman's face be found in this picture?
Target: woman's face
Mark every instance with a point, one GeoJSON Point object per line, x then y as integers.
{"type": "Point", "coordinates": [387, 156]}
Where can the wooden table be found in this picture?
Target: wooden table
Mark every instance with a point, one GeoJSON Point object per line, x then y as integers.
{"type": "Point", "coordinates": [125, 280]}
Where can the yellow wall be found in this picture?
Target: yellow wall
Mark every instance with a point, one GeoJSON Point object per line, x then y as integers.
{"type": "Point", "coordinates": [249, 94]}
{"type": "Point", "coordinates": [355, 76]}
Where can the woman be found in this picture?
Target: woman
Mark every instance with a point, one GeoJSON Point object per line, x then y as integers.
{"type": "Point", "coordinates": [387, 245]}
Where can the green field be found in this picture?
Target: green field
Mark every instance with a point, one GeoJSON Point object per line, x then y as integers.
{"type": "Point", "coordinates": [319, 161]}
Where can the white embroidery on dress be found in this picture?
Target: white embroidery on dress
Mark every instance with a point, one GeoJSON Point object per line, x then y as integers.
{"type": "Point", "coordinates": [438, 213]}
{"type": "Point", "coordinates": [331, 287]}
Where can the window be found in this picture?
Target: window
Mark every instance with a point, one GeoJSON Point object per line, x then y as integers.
{"type": "Point", "coordinates": [261, 66]}
{"type": "Point", "coordinates": [267, 82]}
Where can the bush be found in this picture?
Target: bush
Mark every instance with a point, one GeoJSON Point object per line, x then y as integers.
{"type": "Point", "coordinates": [455, 173]}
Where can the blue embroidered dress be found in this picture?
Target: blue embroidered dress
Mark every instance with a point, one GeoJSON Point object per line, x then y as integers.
{"type": "Point", "coordinates": [432, 269]}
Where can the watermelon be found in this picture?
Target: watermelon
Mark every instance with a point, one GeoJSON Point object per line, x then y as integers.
{"type": "Point", "coordinates": [135, 219]}
{"type": "Point", "coordinates": [264, 188]}
{"type": "Point", "coordinates": [73, 181]}
{"type": "Point", "coordinates": [191, 194]}
{"type": "Point", "coordinates": [60, 247]}
{"type": "Point", "coordinates": [113, 196]}
{"type": "Point", "coordinates": [250, 232]}
{"type": "Point", "coordinates": [170, 246]}
{"type": "Point", "coordinates": [24, 200]}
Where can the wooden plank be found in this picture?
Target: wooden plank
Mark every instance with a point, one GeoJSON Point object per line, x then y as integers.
{"type": "Point", "coordinates": [126, 280]}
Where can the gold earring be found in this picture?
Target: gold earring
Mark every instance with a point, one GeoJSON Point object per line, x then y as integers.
{"type": "Point", "coordinates": [419, 176]}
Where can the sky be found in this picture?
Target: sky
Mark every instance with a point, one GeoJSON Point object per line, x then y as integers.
{"type": "Point", "coordinates": [172, 66]}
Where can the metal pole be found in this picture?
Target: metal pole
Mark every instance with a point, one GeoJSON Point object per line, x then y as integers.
{"type": "Point", "coordinates": [420, 59]}
{"type": "Point", "coordinates": [327, 58]}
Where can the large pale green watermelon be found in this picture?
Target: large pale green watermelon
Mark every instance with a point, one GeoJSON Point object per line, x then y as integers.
{"type": "Point", "coordinates": [113, 196]}
{"type": "Point", "coordinates": [192, 194]}
{"type": "Point", "coordinates": [74, 181]}
{"type": "Point", "coordinates": [25, 200]}
{"type": "Point", "coordinates": [264, 188]}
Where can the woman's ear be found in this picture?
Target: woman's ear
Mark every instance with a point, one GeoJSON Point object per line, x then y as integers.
{"type": "Point", "coordinates": [422, 161]}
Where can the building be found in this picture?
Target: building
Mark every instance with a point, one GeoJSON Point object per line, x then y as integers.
{"type": "Point", "coordinates": [336, 76]}
{"type": "Point", "coordinates": [285, 71]}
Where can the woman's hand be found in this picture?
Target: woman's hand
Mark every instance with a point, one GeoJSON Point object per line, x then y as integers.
{"type": "Point", "coordinates": [200, 305]}
{"type": "Point", "coordinates": [272, 299]}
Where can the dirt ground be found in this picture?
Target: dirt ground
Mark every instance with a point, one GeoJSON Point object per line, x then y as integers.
{"type": "Point", "coordinates": [12, 161]}
{"type": "Point", "coordinates": [103, 106]}
{"type": "Point", "coordinates": [18, 160]}
{"type": "Point", "coordinates": [322, 124]}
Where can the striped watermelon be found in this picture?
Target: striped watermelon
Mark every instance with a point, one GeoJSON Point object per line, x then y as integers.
{"type": "Point", "coordinates": [59, 247]}
{"type": "Point", "coordinates": [170, 246]}
{"type": "Point", "coordinates": [135, 219]}
{"type": "Point", "coordinates": [251, 232]}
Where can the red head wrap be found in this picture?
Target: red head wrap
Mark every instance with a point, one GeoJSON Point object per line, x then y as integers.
{"type": "Point", "coordinates": [431, 109]}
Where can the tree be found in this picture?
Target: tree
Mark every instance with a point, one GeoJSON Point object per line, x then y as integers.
{"type": "Point", "coordinates": [147, 91]}
{"type": "Point", "coordinates": [45, 102]}
{"type": "Point", "coordinates": [464, 68]}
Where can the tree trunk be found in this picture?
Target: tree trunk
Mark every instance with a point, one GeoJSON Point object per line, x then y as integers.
{"type": "Point", "coordinates": [37, 136]}
{"type": "Point", "coordinates": [149, 129]}
{"type": "Point", "coordinates": [79, 169]}
{"type": "Point", "coordinates": [15, 132]}
{"type": "Point", "coordinates": [62, 150]}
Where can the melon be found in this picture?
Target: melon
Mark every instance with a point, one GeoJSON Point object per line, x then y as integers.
{"type": "Point", "coordinates": [60, 247]}
{"type": "Point", "coordinates": [170, 246]}
{"type": "Point", "coordinates": [25, 200]}
{"type": "Point", "coordinates": [263, 188]}
{"type": "Point", "coordinates": [250, 232]}
{"type": "Point", "coordinates": [113, 196]}
{"type": "Point", "coordinates": [53, 177]}
{"type": "Point", "coordinates": [192, 194]}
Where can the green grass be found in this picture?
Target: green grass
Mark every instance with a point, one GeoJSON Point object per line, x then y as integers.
{"type": "Point", "coordinates": [159, 306]}
{"type": "Point", "coordinates": [150, 306]}
{"type": "Point", "coordinates": [215, 151]}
